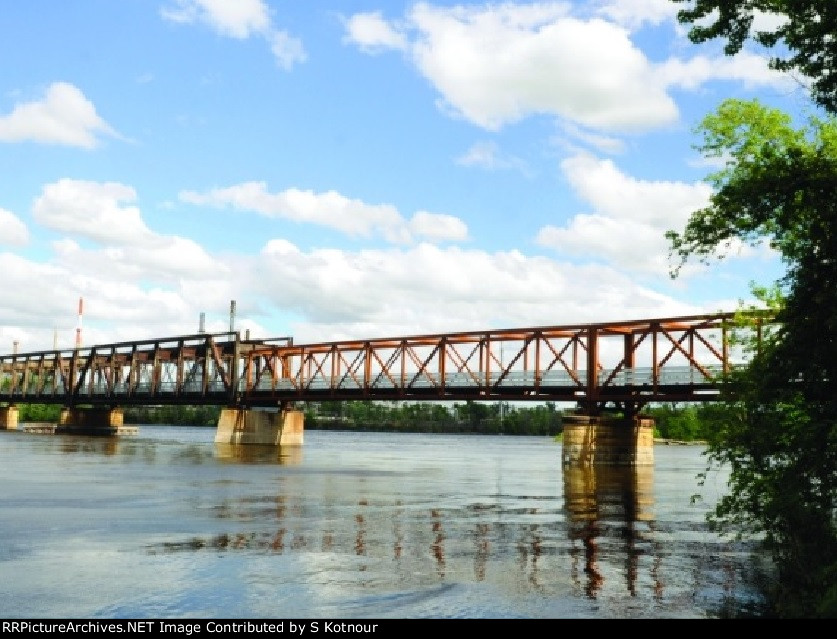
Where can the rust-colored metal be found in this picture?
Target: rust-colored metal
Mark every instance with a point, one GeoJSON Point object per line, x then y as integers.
{"type": "Point", "coordinates": [627, 364]}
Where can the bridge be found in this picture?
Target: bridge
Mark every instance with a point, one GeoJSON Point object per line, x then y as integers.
{"type": "Point", "coordinates": [625, 365]}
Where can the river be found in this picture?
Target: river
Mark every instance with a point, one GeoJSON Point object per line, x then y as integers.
{"type": "Point", "coordinates": [166, 524]}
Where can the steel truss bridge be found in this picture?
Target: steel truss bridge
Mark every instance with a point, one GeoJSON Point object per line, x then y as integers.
{"type": "Point", "coordinates": [621, 364]}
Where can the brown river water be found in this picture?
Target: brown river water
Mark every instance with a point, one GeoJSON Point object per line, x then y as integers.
{"type": "Point", "coordinates": [166, 524]}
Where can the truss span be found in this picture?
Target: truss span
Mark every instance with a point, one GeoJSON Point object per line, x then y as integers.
{"type": "Point", "coordinates": [628, 363]}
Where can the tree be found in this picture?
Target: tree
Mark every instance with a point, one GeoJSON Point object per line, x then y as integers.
{"type": "Point", "coordinates": [779, 184]}
{"type": "Point", "coordinates": [806, 30]}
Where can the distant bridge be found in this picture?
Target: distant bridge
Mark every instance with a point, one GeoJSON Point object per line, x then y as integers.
{"type": "Point", "coordinates": [625, 364]}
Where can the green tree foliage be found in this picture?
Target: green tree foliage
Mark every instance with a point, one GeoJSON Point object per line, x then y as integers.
{"type": "Point", "coordinates": [39, 413]}
{"type": "Point", "coordinates": [779, 183]}
{"type": "Point", "coordinates": [488, 418]}
{"type": "Point", "coordinates": [173, 415]}
{"type": "Point", "coordinates": [802, 40]}
{"type": "Point", "coordinates": [682, 423]}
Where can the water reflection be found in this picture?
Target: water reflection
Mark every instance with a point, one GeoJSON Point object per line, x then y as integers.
{"type": "Point", "coordinates": [598, 500]}
{"type": "Point", "coordinates": [71, 444]}
{"type": "Point", "coordinates": [259, 454]}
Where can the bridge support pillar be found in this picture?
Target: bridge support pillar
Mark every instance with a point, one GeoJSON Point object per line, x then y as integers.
{"type": "Point", "coordinates": [8, 417]}
{"type": "Point", "coordinates": [89, 421]}
{"type": "Point", "coordinates": [594, 439]}
{"type": "Point", "coordinates": [272, 428]}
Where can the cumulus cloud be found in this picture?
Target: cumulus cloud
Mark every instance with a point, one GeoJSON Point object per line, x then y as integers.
{"type": "Point", "coordinates": [106, 214]}
{"type": "Point", "coordinates": [121, 301]}
{"type": "Point", "coordinates": [494, 65]}
{"type": "Point", "coordinates": [629, 219]}
{"type": "Point", "coordinates": [498, 66]}
{"type": "Point", "coordinates": [93, 210]}
{"type": "Point", "coordinates": [240, 19]}
{"type": "Point", "coordinates": [439, 227]}
{"type": "Point", "coordinates": [330, 209]}
{"type": "Point", "coordinates": [63, 116]}
{"type": "Point", "coordinates": [372, 33]}
{"type": "Point", "coordinates": [32, 291]}
{"type": "Point", "coordinates": [13, 231]}
{"type": "Point", "coordinates": [160, 285]}
{"type": "Point", "coordinates": [376, 293]}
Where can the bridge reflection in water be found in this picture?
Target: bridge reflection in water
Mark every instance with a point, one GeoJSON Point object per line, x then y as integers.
{"type": "Point", "coordinates": [608, 498]}
{"type": "Point", "coordinates": [607, 509]}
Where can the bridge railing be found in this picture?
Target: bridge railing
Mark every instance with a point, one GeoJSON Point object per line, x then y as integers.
{"type": "Point", "coordinates": [635, 377]}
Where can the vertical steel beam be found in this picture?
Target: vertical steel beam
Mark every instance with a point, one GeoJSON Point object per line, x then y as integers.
{"type": "Point", "coordinates": [655, 367]}
{"type": "Point", "coordinates": [592, 365]}
{"type": "Point", "coordinates": [537, 361]}
{"type": "Point", "coordinates": [442, 360]}
{"type": "Point", "coordinates": [725, 346]}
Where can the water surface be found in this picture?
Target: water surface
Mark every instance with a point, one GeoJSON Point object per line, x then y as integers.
{"type": "Point", "coordinates": [168, 524]}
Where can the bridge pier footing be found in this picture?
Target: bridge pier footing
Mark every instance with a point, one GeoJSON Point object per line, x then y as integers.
{"type": "Point", "coordinates": [603, 440]}
{"type": "Point", "coordinates": [273, 428]}
{"type": "Point", "coordinates": [89, 421]}
{"type": "Point", "coordinates": [8, 417]}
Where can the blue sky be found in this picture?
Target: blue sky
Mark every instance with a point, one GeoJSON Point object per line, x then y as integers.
{"type": "Point", "coordinates": [355, 169]}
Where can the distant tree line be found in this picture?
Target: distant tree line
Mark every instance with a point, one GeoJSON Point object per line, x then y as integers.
{"type": "Point", "coordinates": [487, 418]}
{"type": "Point", "coordinates": [688, 422]}
{"type": "Point", "coordinates": [172, 415]}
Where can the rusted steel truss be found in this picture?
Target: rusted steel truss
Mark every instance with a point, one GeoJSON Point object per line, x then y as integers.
{"type": "Point", "coordinates": [625, 364]}
{"type": "Point", "coordinates": [190, 370]}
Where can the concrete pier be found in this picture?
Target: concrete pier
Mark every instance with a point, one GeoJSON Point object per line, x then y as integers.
{"type": "Point", "coordinates": [247, 426]}
{"type": "Point", "coordinates": [89, 421]}
{"type": "Point", "coordinates": [8, 417]}
{"type": "Point", "coordinates": [598, 439]}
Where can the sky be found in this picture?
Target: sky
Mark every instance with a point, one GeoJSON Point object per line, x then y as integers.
{"type": "Point", "coordinates": [354, 169]}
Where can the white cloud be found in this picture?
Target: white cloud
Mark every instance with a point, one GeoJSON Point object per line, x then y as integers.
{"type": "Point", "coordinates": [657, 202]}
{"type": "Point", "coordinates": [487, 155]}
{"type": "Point", "coordinates": [92, 210]}
{"type": "Point", "coordinates": [494, 65]}
{"type": "Point", "coordinates": [161, 258]}
{"type": "Point", "coordinates": [64, 116]}
{"type": "Point", "coordinates": [399, 292]}
{"type": "Point", "coordinates": [13, 231]}
{"type": "Point", "coordinates": [629, 219]}
{"type": "Point", "coordinates": [286, 49]}
{"type": "Point", "coordinates": [603, 143]}
{"type": "Point", "coordinates": [130, 292]}
{"type": "Point", "coordinates": [636, 13]}
{"type": "Point", "coordinates": [43, 299]}
{"type": "Point", "coordinates": [331, 209]}
{"type": "Point", "coordinates": [159, 286]}
{"type": "Point", "coordinates": [240, 19]}
{"type": "Point", "coordinates": [436, 226]}
{"type": "Point", "coordinates": [372, 33]}
{"type": "Point", "coordinates": [31, 291]}
{"type": "Point", "coordinates": [497, 64]}
{"type": "Point", "coordinates": [105, 214]}
{"type": "Point", "coordinates": [748, 68]}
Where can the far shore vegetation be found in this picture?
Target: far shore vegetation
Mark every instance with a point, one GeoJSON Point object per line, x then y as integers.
{"type": "Point", "coordinates": [680, 422]}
